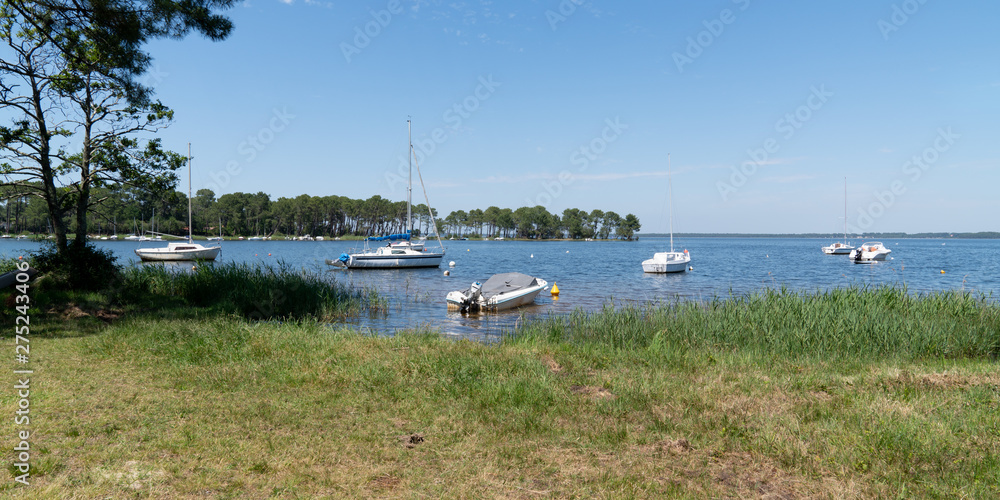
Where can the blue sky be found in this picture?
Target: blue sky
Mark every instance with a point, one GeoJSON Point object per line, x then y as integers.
{"type": "Point", "coordinates": [765, 108]}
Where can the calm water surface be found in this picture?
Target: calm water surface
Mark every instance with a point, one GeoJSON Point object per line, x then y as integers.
{"type": "Point", "coordinates": [591, 274]}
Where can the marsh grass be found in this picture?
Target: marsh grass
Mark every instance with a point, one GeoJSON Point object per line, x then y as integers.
{"type": "Point", "coordinates": [856, 322]}
{"type": "Point", "coordinates": [253, 291]}
{"type": "Point", "coordinates": [222, 407]}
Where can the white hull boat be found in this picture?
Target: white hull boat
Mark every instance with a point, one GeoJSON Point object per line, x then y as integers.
{"type": "Point", "coordinates": [500, 292]}
{"type": "Point", "coordinates": [178, 251]}
{"type": "Point", "coordinates": [838, 249]}
{"type": "Point", "coordinates": [869, 253]}
{"type": "Point", "coordinates": [667, 262]}
{"type": "Point", "coordinates": [388, 258]}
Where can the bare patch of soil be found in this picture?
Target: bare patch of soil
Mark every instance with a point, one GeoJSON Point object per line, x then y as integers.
{"type": "Point", "coordinates": [412, 440]}
{"type": "Point", "coordinates": [594, 392]}
{"type": "Point", "coordinates": [384, 483]}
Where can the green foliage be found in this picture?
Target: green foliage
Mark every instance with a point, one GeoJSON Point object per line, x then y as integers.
{"type": "Point", "coordinates": [251, 291]}
{"type": "Point", "coordinates": [81, 268]}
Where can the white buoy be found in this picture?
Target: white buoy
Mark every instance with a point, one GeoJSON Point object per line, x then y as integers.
{"type": "Point", "coordinates": [447, 273]}
{"type": "Point", "coordinates": [567, 251]}
{"type": "Point", "coordinates": [690, 268]}
{"type": "Point", "coordinates": [451, 264]}
{"type": "Point", "coordinates": [532, 256]}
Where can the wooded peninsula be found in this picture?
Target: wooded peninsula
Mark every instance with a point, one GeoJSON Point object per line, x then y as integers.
{"type": "Point", "coordinates": [134, 211]}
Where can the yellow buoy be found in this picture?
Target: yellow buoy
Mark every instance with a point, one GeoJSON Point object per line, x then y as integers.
{"type": "Point", "coordinates": [942, 271]}
{"type": "Point", "coordinates": [555, 289]}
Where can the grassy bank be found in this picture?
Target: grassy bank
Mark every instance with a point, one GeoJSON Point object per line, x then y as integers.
{"type": "Point", "coordinates": [677, 401]}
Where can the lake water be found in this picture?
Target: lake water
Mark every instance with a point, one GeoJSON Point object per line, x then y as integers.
{"type": "Point", "coordinates": [591, 274]}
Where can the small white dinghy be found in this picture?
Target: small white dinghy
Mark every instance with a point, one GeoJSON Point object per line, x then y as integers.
{"type": "Point", "coordinates": [500, 292]}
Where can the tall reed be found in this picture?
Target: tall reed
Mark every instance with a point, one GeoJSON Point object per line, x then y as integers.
{"type": "Point", "coordinates": [251, 290]}
{"type": "Point", "coordinates": [855, 322]}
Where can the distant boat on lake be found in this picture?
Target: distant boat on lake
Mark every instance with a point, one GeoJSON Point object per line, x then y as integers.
{"type": "Point", "coordinates": [181, 251]}
{"type": "Point", "coordinates": [668, 262]}
{"type": "Point", "coordinates": [869, 252]}
{"type": "Point", "coordinates": [841, 248]}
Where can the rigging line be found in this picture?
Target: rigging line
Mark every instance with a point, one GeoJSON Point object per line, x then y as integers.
{"type": "Point", "coordinates": [429, 212]}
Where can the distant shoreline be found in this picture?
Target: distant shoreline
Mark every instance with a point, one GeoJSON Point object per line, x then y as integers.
{"type": "Point", "coordinates": [985, 235]}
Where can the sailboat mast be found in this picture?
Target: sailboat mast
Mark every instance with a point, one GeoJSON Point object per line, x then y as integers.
{"type": "Point", "coordinates": [670, 196]}
{"type": "Point", "coordinates": [845, 210]}
{"type": "Point", "coordinates": [190, 239]}
{"type": "Point", "coordinates": [409, 183]}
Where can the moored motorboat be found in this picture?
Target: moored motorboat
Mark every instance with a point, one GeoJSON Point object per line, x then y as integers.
{"type": "Point", "coordinates": [500, 292]}
{"type": "Point", "coordinates": [869, 252]}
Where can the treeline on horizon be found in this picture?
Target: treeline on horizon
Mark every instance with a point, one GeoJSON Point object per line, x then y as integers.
{"type": "Point", "coordinates": [982, 235]}
{"type": "Point", "coordinates": [134, 211]}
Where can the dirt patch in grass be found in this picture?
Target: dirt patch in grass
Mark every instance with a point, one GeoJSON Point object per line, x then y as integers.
{"type": "Point", "coordinates": [71, 312]}
{"type": "Point", "coordinates": [384, 483]}
{"type": "Point", "coordinates": [593, 392]}
{"type": "Point", "coordinates": [551, 364]}
{"type": "Point", "coordinates": [748, 477]}
{"type": "Point", "coordinates": [411, 440]}
{"type": "Point", "coordinates": [943, 380]}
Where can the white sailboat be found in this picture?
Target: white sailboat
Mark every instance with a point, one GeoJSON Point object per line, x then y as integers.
{"type": "Point", "coordinates": [181, 251]}
{"type": "Point", "coordinates": [403, 253]}
{"type": "Point", "coordinates": [668, 262]}
{"type": "Point", "coordinates": [841, 248]}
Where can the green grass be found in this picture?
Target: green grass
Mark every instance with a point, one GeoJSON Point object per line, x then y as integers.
{"type": "Point", "coordinates": [253, 291]}
{"type": "Point", "coordinates": [850, 323]}
{"type": "Point", "coordinates": [625, 403]}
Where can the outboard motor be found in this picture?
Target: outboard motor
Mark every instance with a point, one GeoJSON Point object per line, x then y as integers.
{"type": "Point", "coordinates": [471, 302]}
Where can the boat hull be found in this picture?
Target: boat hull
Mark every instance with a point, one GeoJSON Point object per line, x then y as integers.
{"type": "Point", "coordinates": [869, 253]}
{"type": "Point", "coordinates": [838, 249]}
{"type": "Point", "coordinates": [408, 261]}
{"type": "Point", "coordinates": [178, 253]}
{"type": "Point", "coordinates": [500, 302]}
{"type": "Point", "coordinates": [667, 262]}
